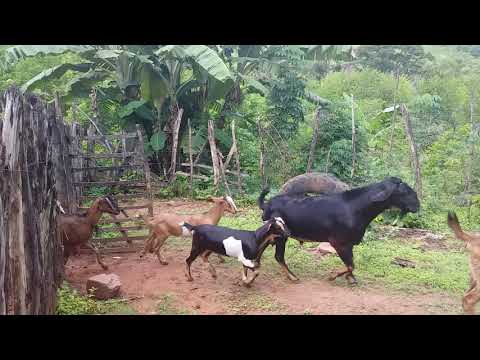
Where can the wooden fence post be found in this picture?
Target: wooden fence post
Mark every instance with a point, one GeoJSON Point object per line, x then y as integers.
{"type": "Point", "coordinates": [31, 259]}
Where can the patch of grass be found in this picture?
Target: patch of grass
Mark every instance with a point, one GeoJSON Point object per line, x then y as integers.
{"type": "Point", "coordinates": [166, 306]}
{"type": "Point", "coordinates": [70, 302]}
{"type": "Point", "coordinates": [255, 302]}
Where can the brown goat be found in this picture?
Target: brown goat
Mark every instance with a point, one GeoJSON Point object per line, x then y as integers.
{"type": "Point", "coordinates": [165, 225]}
{"type": "Point", "coordinates": [76, 230]}
{"type": "Point", "coordinates": [472, 242]}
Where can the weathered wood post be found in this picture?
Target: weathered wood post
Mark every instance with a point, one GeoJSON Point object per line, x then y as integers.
{"type": "Point", "coordinates": [31, 260]}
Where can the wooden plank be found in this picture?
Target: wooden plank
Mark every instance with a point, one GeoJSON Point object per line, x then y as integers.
{"type": "Point", "coordinates": [111, 221]}
{"type": "Point", "coordinates": [114, 136]}
{"type": "Point", "coordinates": [133, 207]}
{"type": "Point", "coordinates": [115, 250]}
{"type": "Point", "coordinates": [106, 168]}
{"type": "Point", "coordinates": [102, 156]}
{"type": "Point", "coordinates": [209, 168]}
{"type": "Point", "coordinates": [120, 183]}
{"type": "Point", "coordinates": [120, 238]}
{"type": "Point", "coordinates": [200, 177]}
{"type": "Point", "coordinates": [117, 197]}
{"type": "Point", "coordinates": [123, 228]}
{"type": "Point", "coordinates": [147, 169]}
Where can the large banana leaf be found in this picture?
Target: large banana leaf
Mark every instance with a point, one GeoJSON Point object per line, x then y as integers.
{"type": "Point", "coordinates": [19, 52]}
{"type": "Point", "coordinates": [54, 73]}
{"type": "Point", "coordinates": [252, 83]}
{"type": "Point", "coordinates": [153, 86]}
{"type": "Point", "coordinates": [328, 52]}
{"type": "Point", "coordinates": [82, 84]}
{"type": "Point", "coordinates": [206, 65]}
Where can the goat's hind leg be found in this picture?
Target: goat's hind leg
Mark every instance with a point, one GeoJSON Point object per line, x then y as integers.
{"type": "Point", "coordinates": [470, 299]}
{"type": "Point", "coordinates": [158, 247]}
{"type": "Point", "coordinates": [148, 245]}
{"type": "Point", "coordinates": [194, 253]}
{"type": "Point", "coordinates": [211, 268]}
{"type": "Point", "coordinates": [346, 254]}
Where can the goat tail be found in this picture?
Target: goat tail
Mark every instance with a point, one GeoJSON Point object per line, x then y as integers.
{"type": "Point", "coordinates": [318, 183]}
{"type": "Point", "coordinates": [261, 198]}
{"type": "Point", "coordinates": [188, 226]}
{"type": "Point", "coordinates": [456, 228]}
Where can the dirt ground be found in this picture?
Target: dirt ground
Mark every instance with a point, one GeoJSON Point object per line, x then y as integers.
{"type": "Point", "coordinates": [150, 284]}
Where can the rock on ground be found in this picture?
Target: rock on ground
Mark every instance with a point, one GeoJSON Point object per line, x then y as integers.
{"type": "Point", "coordinates": [324, 249]}
{"type": "Point", "coordinates": [105, 286]}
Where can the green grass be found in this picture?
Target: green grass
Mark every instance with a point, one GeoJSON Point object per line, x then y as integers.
{"type": "Point", "coordinates": [70, 302]}
{"type": "Point", "coordinates": [166, 306]}
{"type": "Point", "coordinates": [250, 301]}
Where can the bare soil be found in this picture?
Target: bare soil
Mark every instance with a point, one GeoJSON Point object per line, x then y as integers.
{"type": "Point", "coordinates": [147, 279]}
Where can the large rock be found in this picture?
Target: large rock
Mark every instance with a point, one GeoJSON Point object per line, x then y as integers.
{"type": "Point", "coordinates": [105, 286]}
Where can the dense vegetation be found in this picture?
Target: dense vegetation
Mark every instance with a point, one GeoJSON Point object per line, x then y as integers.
{"type": "Point", "coordinates": [273, 93]}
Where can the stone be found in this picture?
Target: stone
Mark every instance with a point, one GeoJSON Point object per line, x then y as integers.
{"type": "Point", "coordinates": [325, 248]}
{"type": "Point", "coordinates": [105, 286]}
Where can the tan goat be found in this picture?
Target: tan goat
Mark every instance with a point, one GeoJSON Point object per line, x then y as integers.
{"type": "Point", "coordinates": [472, 242]}
{"type": "Point", "coordinates": [165, 225]}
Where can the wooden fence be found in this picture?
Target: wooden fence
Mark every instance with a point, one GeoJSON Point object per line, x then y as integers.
{"type": "Point", "coordinates": [31, 259]}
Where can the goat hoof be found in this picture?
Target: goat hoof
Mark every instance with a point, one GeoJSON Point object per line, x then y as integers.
{"type": "Point", "coordinates": [293, 278]}
{"type": "Point", "coordinates": [163, 262]}
{"type": "Point", "coordinates": [105, 268]}
{"type": "Point", "coordinates": [352, 282]}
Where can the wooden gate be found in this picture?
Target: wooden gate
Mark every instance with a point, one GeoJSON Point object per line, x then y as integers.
{"type": "Point", "coordinates": [103, 161]}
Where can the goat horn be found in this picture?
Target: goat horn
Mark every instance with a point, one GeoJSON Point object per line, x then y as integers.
{"type": "Point", "coordinates": [110, 203]}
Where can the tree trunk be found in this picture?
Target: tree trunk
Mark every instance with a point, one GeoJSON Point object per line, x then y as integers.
{"type": "Point", "coordinates": [190, 155]}
{"type": "Point", "coordinates": [392, 126]}
{"type": "Point", "coordinates": [31, 261]}
{"type": "Point", "coordinates": [213, 152]}
{"type": "Point", "coordinates": [328, 159]}
{"type": "Point", "coordinates": [469, 172]}
{"type": "Point", "coordinates": [313, 144]}
{"type": "Point", "coordinates": [262, 156]}
{"type": "Point", "coordinates": [176, 128]}
{"type": "Point", "coordinates": [237, 158]}
{"type": "Point", "coordinates": [413, 149]}
{"type": "Point", "coordinates": [91, 150]}
{"type": "Point", "coordinates": [354, 151]}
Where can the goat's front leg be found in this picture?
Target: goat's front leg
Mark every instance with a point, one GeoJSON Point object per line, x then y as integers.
{"type": "Point", "coordinates": [97, 253]}
{"type": "Point", "coordinates": [246, 281]}
{"type": "Point", "coordinates": [124, 233]}
{"type": "Point", "coordinates": [66, 255]}
{"type": "Point", "coordinates": [212, 270]}
{"type": "Point", "coordinates": [280, 257]}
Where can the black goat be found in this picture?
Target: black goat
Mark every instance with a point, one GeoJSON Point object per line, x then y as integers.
{"type": "Point", "coordinates": [341, 219]}
{"type": "Point", "coordinates": [246, 246]}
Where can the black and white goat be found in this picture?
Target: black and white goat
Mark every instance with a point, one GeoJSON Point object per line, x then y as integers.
{"type": "Point", "coordinates": [246, 246]}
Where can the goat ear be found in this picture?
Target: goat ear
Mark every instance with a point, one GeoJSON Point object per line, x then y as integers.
{"type": "Point", "coordinates": [384, 193]}
{"type": "Point", "coordinates": [264, 229]}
